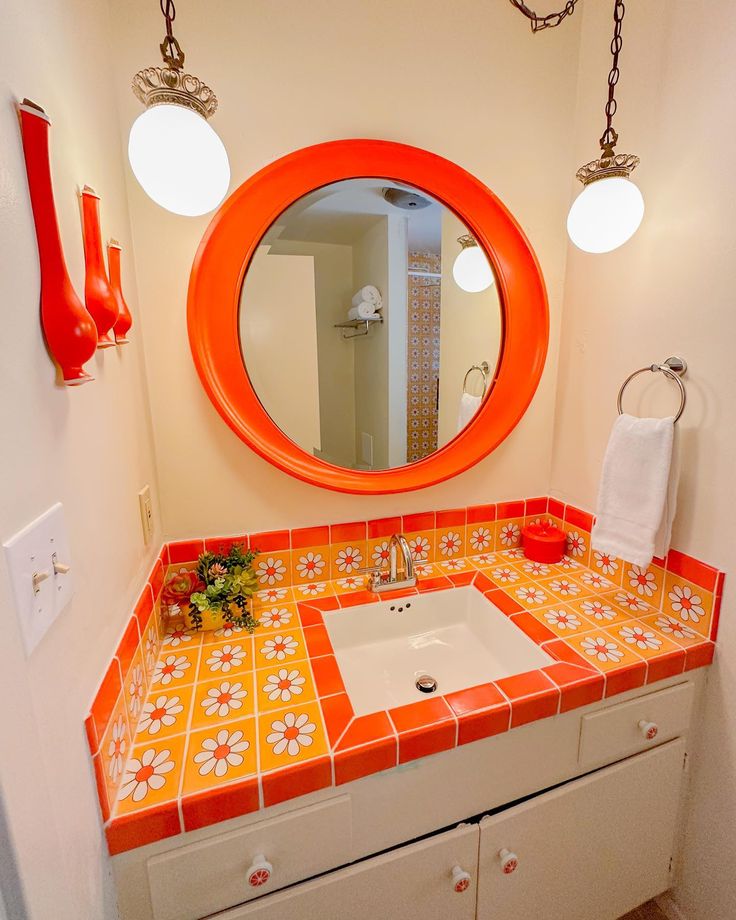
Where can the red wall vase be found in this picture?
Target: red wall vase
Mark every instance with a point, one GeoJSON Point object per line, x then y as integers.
{"type": "Point", "coordinates": [68, 328]}
{"type": "Point", "coordinates": [124, 320]}
{"type": "Point", "coordinates": [98, 295]}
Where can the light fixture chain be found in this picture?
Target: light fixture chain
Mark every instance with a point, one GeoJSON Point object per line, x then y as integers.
{"type": "Point", "coordinates": [170, 48]}
{"type": "Point", "coordinates": [545, 22]}
{"type": "Point", "coordinates": [609, 136]}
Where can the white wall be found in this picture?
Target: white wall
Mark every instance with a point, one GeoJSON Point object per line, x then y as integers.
{"type": "Point", "coordinates": [90, 448]}
{"type": "Point", "coordinates": [470, 332]}
{"type": "Point", "coordinates": [670, 290]}
{"type": "Point", "coordinates": [505, 100]}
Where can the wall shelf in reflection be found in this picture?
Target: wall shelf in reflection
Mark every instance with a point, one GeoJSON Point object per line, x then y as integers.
{"type": "Point", "coordinates": [360, 325]}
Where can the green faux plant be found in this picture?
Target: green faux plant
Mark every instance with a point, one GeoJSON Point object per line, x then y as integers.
{"type": "Point", "coordinates": [227, 583]}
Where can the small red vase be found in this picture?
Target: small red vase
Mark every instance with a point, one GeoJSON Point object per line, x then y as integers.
{"type": "Point", "coordinates": [68, 328]}
{"type": "Point", "coordinates": [124, 320]}
{"type": "Point", "coordinates": [98, 295]}
{"type": "Point", "coordinates": [543, 542]}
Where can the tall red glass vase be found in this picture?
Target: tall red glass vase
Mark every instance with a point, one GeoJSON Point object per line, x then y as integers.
{"type": "Point", "coordinates": [68, 328]}
{"type": "Point", "coordinates": [124, 320]}
{"type": "Point", "coordinates": [98, 295]}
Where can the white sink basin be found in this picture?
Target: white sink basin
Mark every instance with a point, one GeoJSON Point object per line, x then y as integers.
{"type": "Point", "coordinates": [456, 636]}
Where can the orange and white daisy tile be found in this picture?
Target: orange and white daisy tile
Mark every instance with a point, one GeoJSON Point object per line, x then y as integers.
{"type": "Point", "coordinates": [420, 547]}
{"type": "Point", "coordinates": [220, 754]}
{"type": "Point", "coordinates": [117, 746]}
{"type": "Point", "coordinates": [603, 650]}
{"type": "Point", "coordinates": [283, 646]}
{"type": "Point", "coordinates": [311, 565]}
{"type": "Point", "coordinates": [531, 596]}
{"type": "Point", "coordinates": [454, 565]}
{"type": "Point", "coordinates": [531, 569]}
{"type": "Point", "coordinates": [348, 560]}
{"type": "Point", "coordinates": [151, 775]}
{"type": "Point", "coordinates": [688, 602]}
{"type": "Point", "coordinates": [223, 700]}
{"type": "Point", "coordinates": [164, 714]}
{"type": "Point", "coordinates": [178, 635]}
{"type": "Point", "coordinates": [450, 544]}
{"type": "Point", "coordinates": [504, 575]}
{"type": "Point", "coordinates": [513, 554]}
{"type": "Point", "coordinates": [272, 570]}
{"type": "Point", "coordinates": [229, 658]}
{"type": "Point", "coordinates": [595, 581]}
{"type": "Point", "coordinates": [290, 684]}
{"type": "Point", "coordinates": [564, 586]}
{"type": "Point", "coordinates": [509, 535]}
{"type": "Point", "coordinates": [484, 560]}
{"type": "Point", "coordinates": [273, 596]}
{"type": "Point", "coordinates": [136, 688]}
{"type": "Point", "coordinates": [480, 539]}
{"type": "Point", "coordinates": [349, 583]}
{"type": "Point", "coordinates": [312, 589]}
{"type": "Point", "coordinates": [277, 617]}
{"type": "Point", "coordinates": [629, 602]}
{"type": "Point", "coordinates": [606, 564]}
{"type": "Point", "coordinates": [577, 544]}
{"type": "Point", "coordinates": [672, 628]}
{"type": "Point", "coordinates": [599, 611]}
{"type": "Point", "coordinates": [562, 620]}
{"type": "Point", "coordinates": [291, 735]}
{"type": "Point", "coordinates": [646, 583]}
{"type": "Point", "coordinates": [174, 669]}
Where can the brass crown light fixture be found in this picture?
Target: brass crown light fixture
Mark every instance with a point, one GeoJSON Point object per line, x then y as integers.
{"type": "Point", "coordinates": [175, 154]}
{"type": "Point", "coordinates": [610, 208]}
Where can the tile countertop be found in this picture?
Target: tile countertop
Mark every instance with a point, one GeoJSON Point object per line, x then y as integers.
{"type": "Point", "coordinates": [228, 723]}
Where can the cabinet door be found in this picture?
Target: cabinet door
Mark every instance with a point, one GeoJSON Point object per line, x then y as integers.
{"type": "Point", "coordinates": [592, 849]}
{"type": "Point", "coordinates": [414, 882]}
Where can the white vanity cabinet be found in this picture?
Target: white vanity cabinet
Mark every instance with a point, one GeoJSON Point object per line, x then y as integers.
{"type": "Point", "coordinates": [433, 879]}
{"type": "Point", "coordinates": [592, 849]}
{"type": "Point", "coordinates": [581, 810]}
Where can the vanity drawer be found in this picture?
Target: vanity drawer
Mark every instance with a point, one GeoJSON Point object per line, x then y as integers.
{"type": "Point", "coordinates": [213, 874]}
{"type": "Point", "coordinates": [618, 731]}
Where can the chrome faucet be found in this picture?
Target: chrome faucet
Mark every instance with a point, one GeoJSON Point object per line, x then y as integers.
{"type": "Point", "coordinates": [390, 581]}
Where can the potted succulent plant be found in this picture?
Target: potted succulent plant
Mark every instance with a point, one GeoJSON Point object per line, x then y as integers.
{"type": "Point", "coordinates": [222, 593]}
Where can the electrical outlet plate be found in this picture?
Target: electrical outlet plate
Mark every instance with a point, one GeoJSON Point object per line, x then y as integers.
{"type": "Point", "coordinates": [33, 552]}
{"type": "Point", "coordinates": [146, 508]}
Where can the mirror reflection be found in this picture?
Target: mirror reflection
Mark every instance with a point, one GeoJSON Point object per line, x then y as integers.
{"type": "Point", "coordinates": [370, 324]}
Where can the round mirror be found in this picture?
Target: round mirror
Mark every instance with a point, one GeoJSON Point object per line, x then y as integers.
{"type": "Point", "coordinates": [370, 324]}
{"type": "Point", "coordinates": [368, 335]}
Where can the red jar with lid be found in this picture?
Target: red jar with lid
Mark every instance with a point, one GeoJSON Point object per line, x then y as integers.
{"type": "Point", "coordinates": [543, 542]}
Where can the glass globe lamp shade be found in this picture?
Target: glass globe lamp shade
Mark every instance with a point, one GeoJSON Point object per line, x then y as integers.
{"type": "Point", "coordinates": [605, 214]}
{"type": "Point", "coordinates": [471, 270]}
{"type": "Point", "coordinates": [179, 160]}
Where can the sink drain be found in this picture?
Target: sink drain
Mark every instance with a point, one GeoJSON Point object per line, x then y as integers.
{"type": "Point", "coordinates": [426, 683]}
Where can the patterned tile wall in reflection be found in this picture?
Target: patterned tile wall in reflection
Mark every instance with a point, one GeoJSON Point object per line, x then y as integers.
{"type": "Point", "coordinates": [423, 356]}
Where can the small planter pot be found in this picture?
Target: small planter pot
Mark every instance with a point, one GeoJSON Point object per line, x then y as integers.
{"type": "Point", "coordinates": [211, 619]}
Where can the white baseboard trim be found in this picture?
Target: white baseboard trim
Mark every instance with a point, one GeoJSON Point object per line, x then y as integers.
{"type": "Point", "coordinates": [669, 907]}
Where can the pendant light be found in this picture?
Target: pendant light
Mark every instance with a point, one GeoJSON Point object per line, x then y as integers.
{"type": "Point", "coordinates": [174, 153]}
{"type": "Point", "coordinates": [610, 207]}
{"type": "Point", "coordinates": [471, 270]}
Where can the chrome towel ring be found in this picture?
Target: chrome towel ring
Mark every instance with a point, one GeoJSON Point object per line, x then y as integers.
{"type": "Point", "coordinates": [484, 370]}
{"type": "Point", "coordinates": [674, 368]}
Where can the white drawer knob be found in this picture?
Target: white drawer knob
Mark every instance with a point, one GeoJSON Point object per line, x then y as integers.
{"type": "Point", "coordinates": [460, 879]}
{"type": "Point", "coordinates": [259, 872]}
{"type": "Point", "coordinates": [648, 729]}
{"type": "Point", "coordinates": [509, 861]}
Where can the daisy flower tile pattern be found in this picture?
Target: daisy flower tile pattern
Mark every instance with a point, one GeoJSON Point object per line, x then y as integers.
{"type": "Point", "coordinates": [165, 712]}
{"type": "Point", "coordinates": [151, 774]}
{"type": "Point", "coordinates": [277, 616]}
{"type": "Point", "coordinates": [274, 595]}
{"type": "Point", "coordinates": [563, 620]}
{"type": "Point", "coordinates": [600, 611]}
{"type": "Point", "coordinates": [313, 564]}
{"type": "Point", "coordinates": [174, 669]}
{"type": "Point", "coordinates": [688, 602]}
{"type": "Point", "coordinates": [224, 699]}
{"type": "Point", "coordinates": [606, 564]}
{"type": "Point", "coordinates": [292, 735]}
{"type": "Point", "coordinates": [220, 754]}
{"type": "Point", "coordinates": [226, 658]}
{"type": "Point", "coordinates": [284, 684]}
{"type": "Point", "coordinates": [646, 583]}
{"type": "Point", "coordinates": [279, 648]}
{"type": "Point", "coordinates": [604, 651]}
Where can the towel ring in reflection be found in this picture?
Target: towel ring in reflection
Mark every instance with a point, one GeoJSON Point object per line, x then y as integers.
{"type": "Point", "coordinates": [673, 368]}
{"type": "Point", "coordinates": [484, 370]}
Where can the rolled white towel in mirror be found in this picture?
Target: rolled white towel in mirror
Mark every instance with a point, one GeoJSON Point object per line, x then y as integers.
{"type": "Point", "coordinates": [370, 294]}
{"type": "Point", "coordinates": [469, 405]}
{"type": "Point", "coordinates": [363, 310]}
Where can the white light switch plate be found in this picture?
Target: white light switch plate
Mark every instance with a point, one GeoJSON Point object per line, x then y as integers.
{"type": "Point", "coordinates": [31, 552]}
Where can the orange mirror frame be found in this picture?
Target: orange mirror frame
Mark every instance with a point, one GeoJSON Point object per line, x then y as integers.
{"type": "Point", "coordinates": [231, 241]}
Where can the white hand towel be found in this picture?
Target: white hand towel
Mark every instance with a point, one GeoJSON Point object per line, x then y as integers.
{"type": "Point", "coordinates": [369, 293]}
{"type": "Point", "coordinates": [638, 490]}
{"type": "Point", "coordinates": [468, 407]}
{"type": "Point", "coordinates": [364, 310]}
